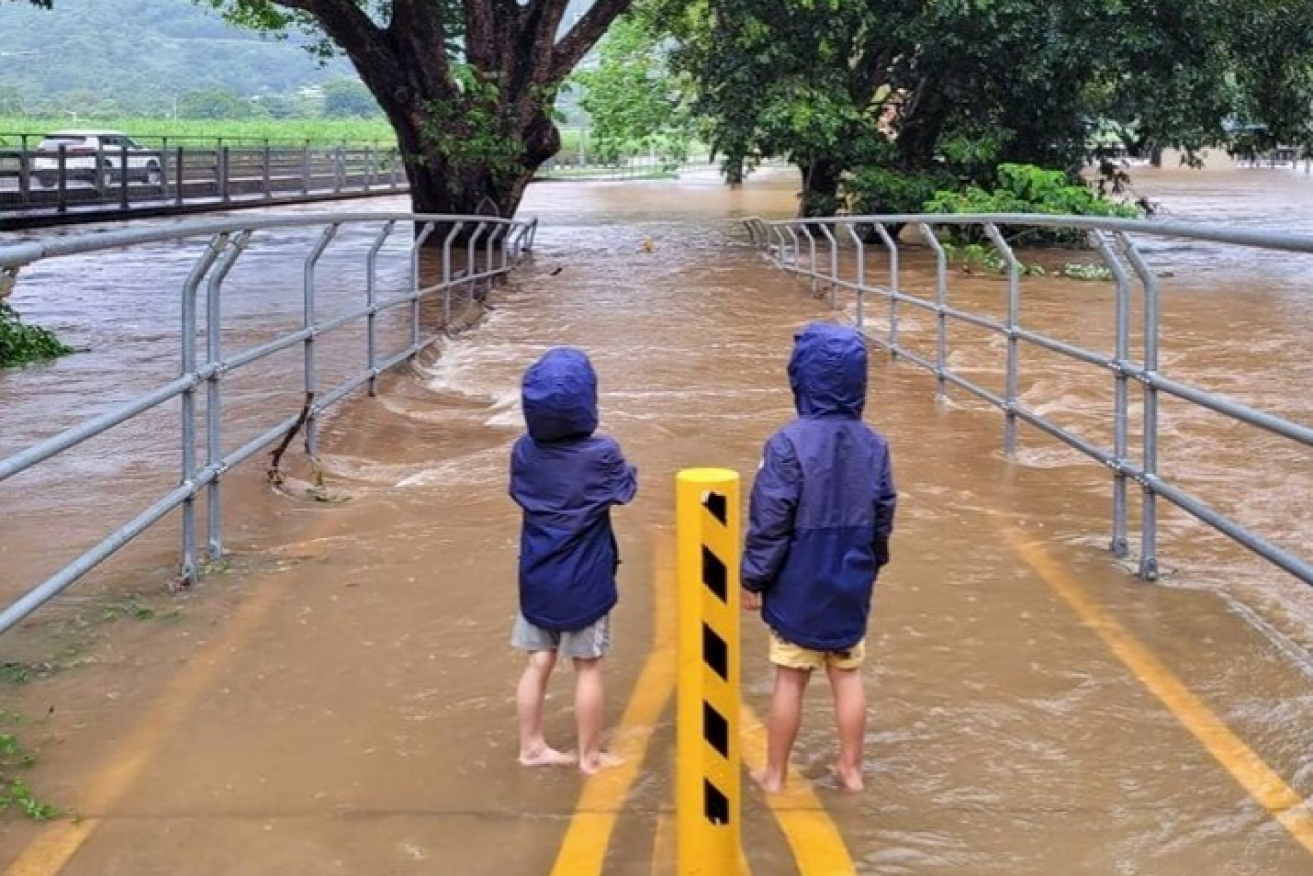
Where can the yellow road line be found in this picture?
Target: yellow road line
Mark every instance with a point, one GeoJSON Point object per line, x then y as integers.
{"type": "Point", "coordinates": [55, 847]}
{"type": "Point", "coordinates": [663, 846]}
{"type": "Point", "coordinates": [817, 845]}
{"type": "Point", "coordinates": [1245, 766]}
{"type": "Point", "coordinates": [584, 848]}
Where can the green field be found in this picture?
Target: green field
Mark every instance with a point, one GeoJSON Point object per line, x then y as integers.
{"type": "Point", "coordinates": [313, 131]}
{"type": "Point", "coordinates": [316, 132]}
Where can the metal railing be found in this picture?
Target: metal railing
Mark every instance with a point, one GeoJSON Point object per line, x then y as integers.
{"type": "Point", "coordinates": [812, 249]}
{"type": "Point", "coordinates": [488, 248]}
{"type": "Point", "coordinates": [119, 178]}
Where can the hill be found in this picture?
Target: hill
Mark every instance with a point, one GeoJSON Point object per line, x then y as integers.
{"type": "Point", "coordinates": [139, 56]}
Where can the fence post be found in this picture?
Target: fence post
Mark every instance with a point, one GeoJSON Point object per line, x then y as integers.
{"type": "Point", "coordinates": [187, 573]}
{"type": "Point", "coordinates": [311, 375]}
{"type": "Point", "coordinates": [268, 172]}
{"type": "Point", "coordinates": [305, 169]}
{"type": "Point", "coordinates": [214, 391]}
{"type": "Point", "coordinates": [708, 756]}
{"type": "Point", "coordinates": [941, 308]}
{"type": "Point", "coordinates": [1014, 351]}
{"type": "Point", "coordinates": [1121, 394]}
{"type": "Point", "coordinates": [222, 173]}
{"type": "Point", "coordinates": [62, 202]}
{"type": "Point", "coordinates": [371, 300]}
{"type": "Point", "coordinates": [1149, 507]}
{"type": "Point", "coordinates": [859, 247]}
{"type": "Point", "coordinates": [24, 175]}
{"type": "Point", "coordinates": [123, 176]}
{"type": "Point", "coordinates": [892, 248]}
{"type": "Point", "coordinates": [180, 175]}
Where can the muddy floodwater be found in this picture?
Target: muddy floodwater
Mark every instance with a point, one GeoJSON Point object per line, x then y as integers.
{"type": "Point", "coordinates": [340, 699]}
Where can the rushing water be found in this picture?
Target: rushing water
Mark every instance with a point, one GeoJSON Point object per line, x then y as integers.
{"type": "Point", "coordinates": [1004, 737]}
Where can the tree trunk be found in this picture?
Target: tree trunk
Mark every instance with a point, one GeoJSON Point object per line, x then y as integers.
{"type": "Point", "coordinates": [820, 188]}
{"type": "Point", "coordinates": [472, 120]}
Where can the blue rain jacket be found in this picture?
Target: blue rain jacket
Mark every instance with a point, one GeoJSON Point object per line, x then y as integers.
{"type": "Point", "coordinates": [566, 480]}
{"type": "Point", "coordinates": [823, 501]}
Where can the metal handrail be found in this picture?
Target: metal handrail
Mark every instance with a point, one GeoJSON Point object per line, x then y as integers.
{"type": "Point", "coordinates": [1115, 242]}
{"type": "Point", "coordinates": [225, 242]}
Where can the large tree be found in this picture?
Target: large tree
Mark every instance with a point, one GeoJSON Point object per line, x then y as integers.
{"type": "Point", "coordinates": [467, 84]}
{"type": "Point", "coordinates": [960, 86]}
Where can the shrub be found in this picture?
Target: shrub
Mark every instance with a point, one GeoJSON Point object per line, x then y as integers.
{"type": "Point", "coordinates": [20, 344]}
{"type": "Point", "coordinates": [1024, 188]}
{"type": "Point", "coordinates": [876, 191]}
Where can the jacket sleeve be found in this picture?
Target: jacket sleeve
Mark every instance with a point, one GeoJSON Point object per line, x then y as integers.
{"type": "Point", "coordinates": [621, 477]}
{"type": "Point", "coordinates": [770, 519]}
{"type": "Point", "coordinates": [886, 501]}
{"type": "Point", "coordinates": [516, 485]}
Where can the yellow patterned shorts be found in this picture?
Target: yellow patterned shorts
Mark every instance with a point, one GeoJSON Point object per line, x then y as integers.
{"type": "Point", "coordinates": [791, 656]}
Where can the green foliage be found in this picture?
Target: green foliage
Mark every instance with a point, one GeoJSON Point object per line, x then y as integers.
{"type": "Point", "coordinates": [1024, 188]}
{"type": "Point", "coordinates": [349, 99]}
{"type": "Point", "coordinates": [14, 792]}
{"type": "Point", "coordinates": [468, 131]}
{"type": "Point", "coordinates": [218, 103]}
{"type": "Point", "coordinates": [633, 98]}
{"type": "Point", "coordinates": [982, 258]}
{"type": "Point", "coordinates": [21, 344]}
{"type": "Point", "coordinates": [966, 85]}
{"type": "Point", "coordinates": [875, 190]}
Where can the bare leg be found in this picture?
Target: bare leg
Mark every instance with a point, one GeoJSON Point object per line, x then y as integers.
{"type": "Point", "coordinates": [588, 715]}
{"type": "Point", "coordinates": [529, 695]}
{"type": "Point", "coordinates": [850, 716]}
{"type": "Point", "coordinates": [782, 728]}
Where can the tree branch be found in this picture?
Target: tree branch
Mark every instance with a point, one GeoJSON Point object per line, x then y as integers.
{"type": "Point", "coordinates": [584, 35]}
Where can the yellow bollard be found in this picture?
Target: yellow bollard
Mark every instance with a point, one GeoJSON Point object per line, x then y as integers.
{"type": "Point", "coordinates": [707, 787]}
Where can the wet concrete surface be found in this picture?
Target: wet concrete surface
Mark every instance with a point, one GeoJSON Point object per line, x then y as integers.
{"type": "Point", "coordinates": [341, 700]}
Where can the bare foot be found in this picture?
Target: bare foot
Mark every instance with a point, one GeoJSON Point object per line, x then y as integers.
{"type": "Point", "coordinates": [547, 756]}
{"type": "Point", "coordinates": [598, 762]}
{"type": "Point", "coordinates": [768, 782]}
{"type": "Point", "coordinates": [849, 779]}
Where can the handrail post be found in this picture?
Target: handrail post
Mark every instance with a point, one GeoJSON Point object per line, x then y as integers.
{"type": "Point", "coordinates": [268, 171]}
{"type": "Point", "coordinates": [311, 375]}
{"type": "Point", "coordinates": [415, 283]}
{"type": "Point", "coordinates": [123, 176]}
{"type": "Point", "coordinates": [708, 756]}
{"type": "Point", "coordinates": [834, 264]}
{"type": "Point", "coordinates": [179, 175]}
{"type": "Point", "coordinates": [24, 175]}
{"type": "Point", "coordinates": [1014, 313]}
{"type": "Point", "coordinates": [371, 302]}
{"type": "Point", "coordinates": [941, 309]}
{"type": "Point", "coordinates": [892, 248]}
{"type": "Point", "coordinates": [61, 203]}
{"type": "Point", "coordinates": [446, 272]}
{"type": "Point", "coordinates": [860, 248]}
{"type": "Point", "coordinates": [811, 254]}
{"type": "Point", "coordinates": [1121, 394]}
{"type": "Point", "coordinates": [187, 572]}
{"type": "Point", "coordinates": [1149, 499]}
{"type": "Point", "coordinates": [471, 258]}
{"type": "Point", "coordinates": [214, 389]}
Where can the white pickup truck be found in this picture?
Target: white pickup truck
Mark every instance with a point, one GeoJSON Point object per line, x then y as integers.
{"type": "Point", "coordinates": [97, 157]}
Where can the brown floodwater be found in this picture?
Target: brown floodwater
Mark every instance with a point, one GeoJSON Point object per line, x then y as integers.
{"type": "Point", "coordinates": [341, 701]}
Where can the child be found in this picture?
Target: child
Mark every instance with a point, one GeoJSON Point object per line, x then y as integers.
{"type": "Point", "coordinates": [821, 514]}
{"type": "Point", "coordinates": [566, 480]}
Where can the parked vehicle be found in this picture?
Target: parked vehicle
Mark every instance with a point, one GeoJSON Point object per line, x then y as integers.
{"type": "Point", "coordinates": [98, 157]}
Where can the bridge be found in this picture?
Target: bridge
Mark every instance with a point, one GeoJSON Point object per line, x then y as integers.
{"type": "Point", "coordinates": [333, 692]}
{"type": "Point", "coordinates": [44, 189]}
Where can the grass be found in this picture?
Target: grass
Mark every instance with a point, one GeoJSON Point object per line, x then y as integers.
{"type": "Point", "coordinates": [15, 760]}
{"type": "Point", "coordinates": [184, 132]}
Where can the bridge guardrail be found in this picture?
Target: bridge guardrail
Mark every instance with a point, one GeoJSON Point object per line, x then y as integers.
{"type": "Point", "coordinates": [811, 248]}
{"type": "Point", "coordinates": [30, 180]}
{"type": "Point", "coordinates": [490, 248]}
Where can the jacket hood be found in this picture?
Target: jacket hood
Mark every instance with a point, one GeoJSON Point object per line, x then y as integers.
{"type": "Point", "coordinates": [828, 371]}
{"type": "Point", "coordinates": [559, 396]}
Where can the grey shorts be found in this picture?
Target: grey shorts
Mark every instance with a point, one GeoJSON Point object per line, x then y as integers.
{"type": "Point", "coordinates": [590, 643]}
